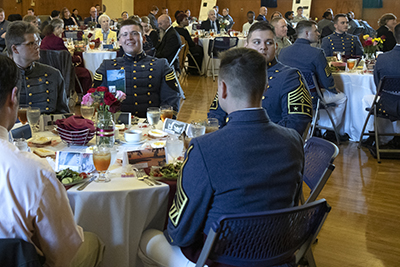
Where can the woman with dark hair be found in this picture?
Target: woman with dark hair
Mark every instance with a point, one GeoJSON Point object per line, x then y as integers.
{"type": "Point", "coordinates": [151, 36]}
{"type": "Point", "coordinates": [66, 17]}
{"type": "Point", "coordinates": [386, 27]}
{"type": "Point", "coordinates": [195, 50]}
{"type": "Point", "coordinates": [76, 16]}
{"type": "Point", "coordinates": [53, 41]}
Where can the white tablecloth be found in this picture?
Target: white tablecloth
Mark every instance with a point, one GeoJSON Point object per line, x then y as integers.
{"type": "Point", "coordinates": [355, 87]}
{"type": "Point", "coordinates": [93, 58]}
{"type": "Point", "coordinates": [204, 43]}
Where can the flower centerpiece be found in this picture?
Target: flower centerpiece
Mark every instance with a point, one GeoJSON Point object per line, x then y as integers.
{"type": "Point", "coordinates": [223, 24]}
{"type": "Point", "coordinates": [371, 45]}
{"type": "Point", "coordinates": [106, 105]}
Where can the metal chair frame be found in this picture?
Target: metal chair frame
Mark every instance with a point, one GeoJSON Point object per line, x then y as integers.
{"type": "Point", "coordinates": [265, 238]}
{"type": "Point", "coordinates": [218, 45]}
{"type": "Point", "coordinates": [384, 83]}
{"type": "Point", "coordinates": [321, 103]}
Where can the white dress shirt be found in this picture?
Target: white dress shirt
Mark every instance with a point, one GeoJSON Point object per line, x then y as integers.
{"type": "Point", "coordinates": [247, 25]}
{"type": "Point", "coordinates": [34, 205]}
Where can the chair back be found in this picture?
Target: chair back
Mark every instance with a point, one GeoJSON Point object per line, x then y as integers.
{"type": "Point", "coordinates": [183, 53]}
{"type": "Point", "coordinates": [176, 57]}
{"type": "Point", "coordinates": [22, 132]}
{"type": "Point", "coordinates": [220, 44]}
{"type": "Point", "coordinates": [319, 155]}
{"type": "Point", "coordinates": [17, 252]}
{"type": "Point", "coordinates": [264, 238]}
{"type": "Point", "coordinates": [61, 60]}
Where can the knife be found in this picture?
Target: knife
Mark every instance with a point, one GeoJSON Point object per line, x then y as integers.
{"type": "Point", "coordinates": [86, 183]}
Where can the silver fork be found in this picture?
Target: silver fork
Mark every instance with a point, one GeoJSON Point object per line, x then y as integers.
{"type": "Point", "coordinates": [149, 178]}
{"type": "Point", "coordinates": [141, 175]}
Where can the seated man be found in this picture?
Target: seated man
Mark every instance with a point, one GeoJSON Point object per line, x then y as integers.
{"type": "Point", "coordinates": [212, 23]}
{"type": "Point", "coordinates": [280, 26]}
{"type": "Point", "coordinates": [93, 18]}
{"type": "Point", "coordinates": [250, 21]}
{"type": "Point", "coordinates": [34, 204]}
{"type": "Point", "coordinates": [326, 22]}
{"type": "Point", "coordinates": [340, 40]}
{"type": "Point", "coordinates": [262, 16]}
{"type": "Point", "coordinates": [170, 42]}
{"type": "Point", "coordinates": [212, 181]}
{"type": "Point", "coordinates": [3, 28]}
{"type": "Point", "coordinates": [387, 64]}
{"type": "Point", "coordinates": [41, 85]}
{"type": "Point", "coordinates": [287, 100]}
{"type": "Point", "coordinates": [299, 17]}
{"type": "Point", "coordinates": [312, 59]}
{"type": "Point", "coordinates": [149, 82]}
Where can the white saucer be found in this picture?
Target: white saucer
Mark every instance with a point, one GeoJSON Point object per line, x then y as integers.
{"type": "Point", "coordinates": [133, 143]}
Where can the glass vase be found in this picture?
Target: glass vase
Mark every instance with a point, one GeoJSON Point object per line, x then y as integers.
{"type": "Point", "coordinates": [105, 128]}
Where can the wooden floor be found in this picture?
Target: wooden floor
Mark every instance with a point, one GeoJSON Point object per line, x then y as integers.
{"type": "Point", "coordinates": [363, 228]}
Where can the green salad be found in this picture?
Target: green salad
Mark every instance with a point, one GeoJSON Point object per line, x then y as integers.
{"type": "Point", "coordinates": [169, 171]}
{"type": "Point", "coordinates": [68, 176]}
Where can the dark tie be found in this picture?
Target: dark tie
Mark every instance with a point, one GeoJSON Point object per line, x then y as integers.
{"type": "Point", "coordinates": [212, 25]}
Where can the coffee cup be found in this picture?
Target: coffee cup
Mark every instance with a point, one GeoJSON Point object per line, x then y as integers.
{"type": "Point", "coordinates": [133, 136]}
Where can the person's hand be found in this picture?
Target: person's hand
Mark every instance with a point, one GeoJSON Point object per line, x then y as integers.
{"type": "Point", "coordinates": [3, 35]}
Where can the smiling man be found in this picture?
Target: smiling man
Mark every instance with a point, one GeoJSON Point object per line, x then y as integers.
{"type": "Point", "coordinates": [286, 99]}
{"type": "Point", "coordinates": [281, 29]}
{"type": "Point", "coordinates": [340, 40]}
{"type": "Point", "coordinates": [149, 82]}
{"type": "Point", "coordinates": [41, 86]}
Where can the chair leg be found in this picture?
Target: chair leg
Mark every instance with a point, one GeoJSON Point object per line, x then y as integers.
{"type": "Point", "coordinates": [378, 155]}
{"type": "Point", "coordinates": [364, 127]}
{"type": "Point", "coordinates": [310, 258]}
{"type": "Point", "coordinates": [195, 62]}
{"type": "Point", "coordinates": [212, 66]}
{"type": "Point", "coordinates": [333, 125]}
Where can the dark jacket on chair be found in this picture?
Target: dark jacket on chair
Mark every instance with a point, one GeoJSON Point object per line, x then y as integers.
{"type": "Point", "coordinates": [168, 46]}
{"type": "Point", "coordinates": [206, 25]}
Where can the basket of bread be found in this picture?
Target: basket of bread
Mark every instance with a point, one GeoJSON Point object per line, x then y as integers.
{"type": "Point", "coordinates": [75, 130]}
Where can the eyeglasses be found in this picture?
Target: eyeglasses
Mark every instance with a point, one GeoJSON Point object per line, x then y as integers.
{"type": "Point", "coordinates": [32, 44]}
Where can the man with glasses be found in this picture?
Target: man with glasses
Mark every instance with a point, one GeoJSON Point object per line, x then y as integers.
{"type": "Point", "coordinates": [41, 85]}
{"type": "Point", "coordinates": [286, 99]}
{"type": "Point", "coordinates": [149, 82]}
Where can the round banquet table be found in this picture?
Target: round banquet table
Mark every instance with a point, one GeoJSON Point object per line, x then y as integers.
{"type": "Point", "coordinates": [92, 59]}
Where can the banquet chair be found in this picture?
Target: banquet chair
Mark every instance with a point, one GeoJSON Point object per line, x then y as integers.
{"type": "Point", "coordinates": [218, 45]}
{"type": "Point", "coordinates": [62, 60]}
{"type": "Point", "coordinates": [267, 238]}
{"type": "Point", "coordinates": [319, 155]}
{"type": "Point", "coordinates": [318, 104]}
{"type": "Point", "coordinates": [176, 57]}
{"type": "Point", "coordinates": [183, 54]}
{"type": "Point", "coordinates": [22, 132]}
{"type": "Point", "coordinates": [17, 252]}
{"type": "Point", "coordinates": [386, 105]}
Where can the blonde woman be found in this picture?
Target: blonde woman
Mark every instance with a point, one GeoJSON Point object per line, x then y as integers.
{"type": "Point", "coordinates": [105, 34]}
{"type": "Point", "coordinates": [65, 15]}
{"type": "Point", "coordinates": [386, 26]}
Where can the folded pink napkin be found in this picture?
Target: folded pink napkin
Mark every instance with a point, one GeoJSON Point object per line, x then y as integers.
{"type": "Point", "coordinates": [75, 123]}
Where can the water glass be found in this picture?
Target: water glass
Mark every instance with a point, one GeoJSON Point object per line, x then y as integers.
{"type": "Point", "coordinates": [21, 144]}
{"type": "Point", "coordinates": [212, 125]}
{"type": "Point", "coordinates": [33, 115]}
{"type": "Point", "coordinates": [153, 116]}
{"type": "Point", "coordinates": [174, 147]}
{"type": "Point", "coordinates": [195, 129]}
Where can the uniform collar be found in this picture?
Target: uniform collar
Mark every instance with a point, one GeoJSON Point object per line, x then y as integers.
{"type": "Point", "coordinates": [138, 57]}
{"type": "Point", "coordinates": [248, 115]}
{"type": "Point", "coordinates": [302, 41]}
{"type": "Point", "coordinates": [272, 63]}
{"type": "Point", "coordinates": [340, 35]}
{"type": "Point", "coordinates": [27, 70]}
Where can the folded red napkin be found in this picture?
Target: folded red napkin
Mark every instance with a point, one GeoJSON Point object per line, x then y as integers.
{"type": "Point", "coordinates": [75, 123]}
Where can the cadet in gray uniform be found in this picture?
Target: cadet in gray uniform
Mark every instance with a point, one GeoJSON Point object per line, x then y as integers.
{"type": "Point", "coordinates": [149, 82]}
{"type": "Point", "coordinates": [41, 85]}
{"type": "Point", "coordinates": [340, 40]}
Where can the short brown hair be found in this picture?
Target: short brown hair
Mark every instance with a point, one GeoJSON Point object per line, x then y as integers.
{"type": "Point", "coordinates": [9, 75]}
{"type": "Point", "coordinates": [244, 70]}
{"type": "Point", "coordinates": [16, 33]}
{"type": "Point", "coordinates": [131, 22]}
{"type": "Point", "coordinates": [260, 26]}
{"type": "Point", "coordinates": [154, 8]}
{"type": "Point", "coordinates": [385, 18]}
{"type": "Point", "coordinates": [336, 19]}
{"type": "Point", "coordinates": [303, 25]}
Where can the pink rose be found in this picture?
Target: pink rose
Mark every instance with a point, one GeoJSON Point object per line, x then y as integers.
{"type": "Point", "coordinates": [375, 43]}
{"type": "Point", "coordinates": [121, 96]}
{"type": "Point", "coordinates": [87, 100]}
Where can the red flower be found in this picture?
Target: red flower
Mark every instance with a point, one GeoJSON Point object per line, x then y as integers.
{"type": "Point", "coordinates": [368, 42]}
{"type": "Point", "coordinates": [115, 107]}
{"type": "Point", "coordinates": [109, 99]}
{"type": "Point", "coordinates": [102, 89]}
{"type": "Point", "coordinates": [91, 90]}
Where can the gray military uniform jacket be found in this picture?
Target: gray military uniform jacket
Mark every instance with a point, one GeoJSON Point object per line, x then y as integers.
{"type": "Point", "coordinates": [43, 86]}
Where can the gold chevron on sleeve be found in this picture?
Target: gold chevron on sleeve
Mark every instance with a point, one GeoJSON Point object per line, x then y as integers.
{"type": "Point", "coordinates": [98, 77]}
{"type": "Point", "coordinates": [299, 101]}
{"type": "Point", "coordinates": [214, 104]}
{"type": "Point", "coordinates": [170, 76]}
{"type": "Point", "coordinates": [327, 70]}
{"type": "Point", "coordinates": [180, 200]}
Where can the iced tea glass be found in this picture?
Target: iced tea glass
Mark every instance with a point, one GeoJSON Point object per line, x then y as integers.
{"type": "Point", "coordinates": [22, 113]}
{"type": "Point", "coordinates": [102, 160]}
{"type": "Point", "coordinates": [166, 112]}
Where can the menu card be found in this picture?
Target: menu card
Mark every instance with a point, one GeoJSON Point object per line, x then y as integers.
{"type": "Point", "coordinates": [76, 161]}
{"type": "Point", "coordinates": [145, 158]}
{"type": "Point", "coordinates": [116, 80]}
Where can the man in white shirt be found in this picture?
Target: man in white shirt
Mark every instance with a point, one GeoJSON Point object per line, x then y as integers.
{"type": "Point", "coordinates": [34, 204]}
{"type": "Point", "coordinates": [281, 29]}
{"type": "Point", "coordinates": [250, 21]}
